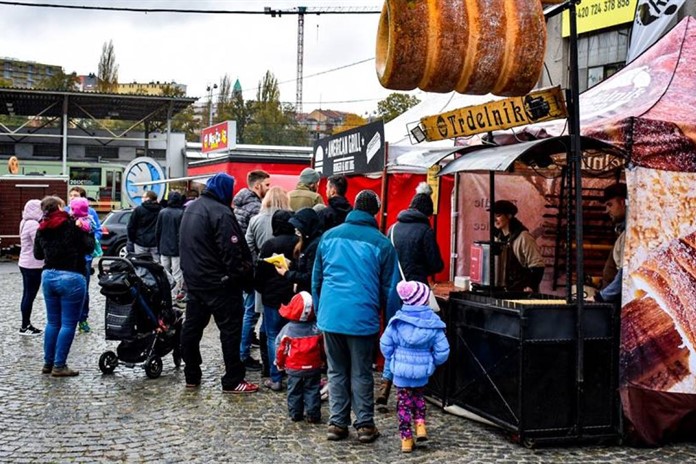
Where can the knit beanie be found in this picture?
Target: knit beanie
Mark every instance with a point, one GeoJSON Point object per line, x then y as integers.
{"type": "Point", "coordinates": [309, 176]}
{"type": "Point", "coordinates": [367, 201]}
{"type": "Point", "coordinates": [79, 207]}
{"type": "Point", "coordinates": [413, 293]}
{"type": "Point", "coordinates": [422, 200]}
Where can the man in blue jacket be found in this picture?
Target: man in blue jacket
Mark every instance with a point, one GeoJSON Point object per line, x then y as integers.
{"type": "Point", "coordinates": [216, 263]}
{"type": "Point", "coordinates": [353, 281]}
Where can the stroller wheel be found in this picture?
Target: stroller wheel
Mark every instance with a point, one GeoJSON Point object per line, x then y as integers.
{"type": "Point", "coordinates": [108, 362]}
{"type": "Point", "coordinates": [153, 367]}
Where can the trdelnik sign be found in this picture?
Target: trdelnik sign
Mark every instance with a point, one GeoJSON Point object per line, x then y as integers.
{"type": "Point", "coordinates": [355, 151]}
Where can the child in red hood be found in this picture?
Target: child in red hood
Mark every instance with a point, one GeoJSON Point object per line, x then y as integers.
{"type": "Point", "coordinates": [300, 353]}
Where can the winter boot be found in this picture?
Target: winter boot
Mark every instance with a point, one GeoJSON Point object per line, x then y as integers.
{"type": "Point", "coordinates": [421, 433]}
{"type": "Point", "coordinates": [384, 391]}
{"type": "Point", "coordinates": [406, 445]}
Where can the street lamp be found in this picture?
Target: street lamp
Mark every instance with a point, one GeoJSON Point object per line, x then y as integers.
{"type": "Point", "coordinates": [210, 89]}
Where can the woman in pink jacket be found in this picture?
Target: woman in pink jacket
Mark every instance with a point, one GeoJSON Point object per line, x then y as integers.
{"type": "Point", "coordinates": [29, 266]}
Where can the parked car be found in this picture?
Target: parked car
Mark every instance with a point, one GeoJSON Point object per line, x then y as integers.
{"type": "Point", "coordinates": [114, 234]}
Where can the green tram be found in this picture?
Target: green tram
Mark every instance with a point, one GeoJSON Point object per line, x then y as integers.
{"type": "Point", "coordinates": [102, 181]}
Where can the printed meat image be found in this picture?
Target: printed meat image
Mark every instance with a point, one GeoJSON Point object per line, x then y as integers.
{"type": "Point", "coordinates": [664, 288]}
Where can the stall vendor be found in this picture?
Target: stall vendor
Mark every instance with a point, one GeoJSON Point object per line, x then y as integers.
{"type": "Point", "coordinates": [523, 265]}
{"type": "Point", "coordinates": [615, 204]}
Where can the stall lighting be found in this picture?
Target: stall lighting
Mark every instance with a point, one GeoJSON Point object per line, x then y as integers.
{"type": "Point", "coordinates": [418, 134]}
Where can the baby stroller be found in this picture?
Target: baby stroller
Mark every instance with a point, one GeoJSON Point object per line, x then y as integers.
{"type": "Point", "coordinates": [139, 314]}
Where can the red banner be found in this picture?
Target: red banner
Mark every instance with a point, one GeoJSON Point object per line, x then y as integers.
{"type": "Point", "coordinates": [220, 137]}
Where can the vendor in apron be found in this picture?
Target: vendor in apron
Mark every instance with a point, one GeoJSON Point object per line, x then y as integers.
{"type": "Point", "coordinates": [521, 262]}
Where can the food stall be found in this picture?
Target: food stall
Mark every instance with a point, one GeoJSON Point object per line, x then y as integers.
{"type": "Point", "coordinates": [514, 357]}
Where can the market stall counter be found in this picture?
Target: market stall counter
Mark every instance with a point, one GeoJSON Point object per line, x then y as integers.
{"type": "Point", "coordinates": [513, 362]}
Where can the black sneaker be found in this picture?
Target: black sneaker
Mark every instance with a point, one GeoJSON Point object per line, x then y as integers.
{"type": "Point", "coordinates": [255, 341]}
{"type": "Point", "coordinates": [30, 330]}
{"type": "Point", "coordinates": [251, 364]}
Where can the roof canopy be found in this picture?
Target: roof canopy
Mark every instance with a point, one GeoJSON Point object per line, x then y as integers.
{"type": "Point", "coordinates": [537, 153]}
{"type": "Point", "coordinates": [49, 103]}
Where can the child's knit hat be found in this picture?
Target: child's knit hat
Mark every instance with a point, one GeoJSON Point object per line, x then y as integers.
{"type": "Point", "coordinates": [79, 207]}
{"type": "Point", "coordinates": [299, 309]}
{"type": "Point", "coordinates": [413, 293]}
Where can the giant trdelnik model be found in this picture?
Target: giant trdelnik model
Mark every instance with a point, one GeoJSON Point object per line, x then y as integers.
{"type": "Point", "coordinates": [471, 46]}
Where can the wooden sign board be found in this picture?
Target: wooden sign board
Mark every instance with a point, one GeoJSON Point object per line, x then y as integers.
{"type": "Point", "coordinates": [536, 106]}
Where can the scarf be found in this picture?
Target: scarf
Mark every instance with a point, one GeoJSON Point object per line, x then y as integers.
{"type": "Point", "coordinates": [53, 220]}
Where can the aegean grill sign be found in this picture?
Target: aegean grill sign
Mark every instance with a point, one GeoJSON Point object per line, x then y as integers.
{"type": "Point", "coordinates": [355, 151]}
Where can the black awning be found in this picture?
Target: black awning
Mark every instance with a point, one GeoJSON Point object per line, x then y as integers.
{"type": "Point", "coordinates": [49, 103]}
{"type": "Point", "coordinates": [501, 158]}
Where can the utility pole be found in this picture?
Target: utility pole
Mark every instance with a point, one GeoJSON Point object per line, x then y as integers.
{"type": "Point", "coordinates": [300, 11]}
{"type": "Point", "coordinates": [210, 90]}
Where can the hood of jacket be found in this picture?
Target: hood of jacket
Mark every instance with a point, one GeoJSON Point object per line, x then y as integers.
{"type": "Point", "coordinates": [416, 318]}
{"type": "Point", "coordinates": [361, 218]}
{"type": "Point", "coordinates": [340, 204]}
{"type": "Point", "coordinates": [32, 210]}
{"type": "Point", "coordinates": [280, 223]}
{"type": "Point", "coordinates": [152, 206]}
{"type": "Point", "coordinates": [220, 187]}
{"type": "Point", "coordinates": [299, 309]}
{"type": "Point", "coordinates": [412, 215]}
{"type": "Point", "coordinates": [175, 200]}
{"type": "Point", "coordinates": [307, 222]}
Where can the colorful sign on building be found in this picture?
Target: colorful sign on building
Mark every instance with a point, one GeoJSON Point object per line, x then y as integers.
{"type": "Point", "coordinates": [355, 151]}
{"type": "Point", "coordinates": [220, 137]}
{"type": "Point", "coordinates": [594, 15]}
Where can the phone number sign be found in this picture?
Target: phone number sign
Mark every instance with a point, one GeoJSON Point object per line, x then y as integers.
{"type": "Point", "coordinates": [594, 15]}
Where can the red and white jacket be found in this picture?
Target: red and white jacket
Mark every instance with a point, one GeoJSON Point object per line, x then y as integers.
{"type": "Point", "coordinates": [300, 349]}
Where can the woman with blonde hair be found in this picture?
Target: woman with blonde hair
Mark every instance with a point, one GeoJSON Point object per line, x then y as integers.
{"type": "Point", "coordinates": [258, 232]}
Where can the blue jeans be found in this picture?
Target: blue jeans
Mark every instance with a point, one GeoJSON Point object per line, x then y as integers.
{"type": "Point", "coordinates": [351, 384]}
{"type": "Point", "coordinates": [31, 280]}
{"type": "Point", "coordinates": [251, 317]}
{"type": "Point", "coordinates": [304, 396]}
{"type": "Point", "coordinates": [64, 292]}
{"type": "Point", "coordinates": [272, 323]}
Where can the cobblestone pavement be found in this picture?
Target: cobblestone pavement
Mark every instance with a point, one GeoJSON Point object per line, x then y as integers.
{"type": "Point", "coordinates": [127, 417]}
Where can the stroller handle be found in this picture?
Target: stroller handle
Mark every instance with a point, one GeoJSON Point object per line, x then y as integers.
{"type": "Point", "coordinates": [115, 259]}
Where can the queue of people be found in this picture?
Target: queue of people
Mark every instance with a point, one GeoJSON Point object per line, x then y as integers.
{"type": "Point", "coordinates": [321, 311]}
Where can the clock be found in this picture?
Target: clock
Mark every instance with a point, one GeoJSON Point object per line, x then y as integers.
{"type": "Point", "coordinates": [141, 174]}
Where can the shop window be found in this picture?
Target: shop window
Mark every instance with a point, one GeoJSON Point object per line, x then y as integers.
{"type": "Point", "coordinates": [99, 152]}
{"type": "Point", "coordinates": [47, 151]}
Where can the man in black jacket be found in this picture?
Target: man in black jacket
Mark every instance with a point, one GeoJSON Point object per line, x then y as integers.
{"type": "Point", "coordinates": [216, 263]}
{"type": "Point", "coordinates": [339, 207]}
{"type": "Point", "coordinates": [142, 223]}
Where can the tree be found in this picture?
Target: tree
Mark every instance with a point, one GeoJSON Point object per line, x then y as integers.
{"type": "Point", "coordinates": [351, 121]}
{"type": "Point", "coordinates": [395, 104]}
{"type": "Point", "coordinates": [59, 81]}
{"type": "Point", "coordinates": [233, 107]}
{"type": "Point", "coordinates": [186, 122]}
{"type": "Point", "coordinates": [270, 122]}
{"type": "Point", "coordinates": [107, 71]}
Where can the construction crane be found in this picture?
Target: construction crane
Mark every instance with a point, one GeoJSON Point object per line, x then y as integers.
{"type": "Point", "coordinates": [301, 11]}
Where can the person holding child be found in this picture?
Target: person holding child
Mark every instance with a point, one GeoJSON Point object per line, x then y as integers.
{"type": "Point", "coordinates": [300, 353]}
{"type": "Point", "coordinates": [413, 344]}
{"type": "Point", "coordinates": [63, 246]}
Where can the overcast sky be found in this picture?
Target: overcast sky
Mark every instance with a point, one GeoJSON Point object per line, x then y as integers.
{"type": "Point", "coordinates": [197, 50]}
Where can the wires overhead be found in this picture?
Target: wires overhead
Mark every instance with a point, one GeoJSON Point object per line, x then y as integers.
{"type": "Point", "coordinates": [335, 10]}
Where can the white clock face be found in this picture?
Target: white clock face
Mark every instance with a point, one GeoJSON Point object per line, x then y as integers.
{"type": "Point", "coordinates": [142, 170]}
